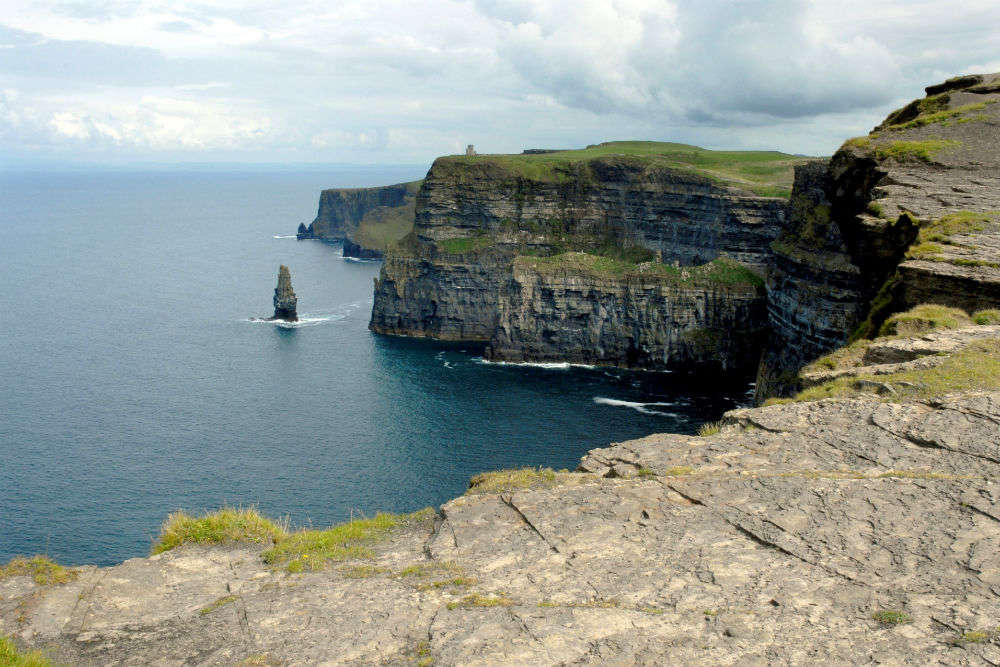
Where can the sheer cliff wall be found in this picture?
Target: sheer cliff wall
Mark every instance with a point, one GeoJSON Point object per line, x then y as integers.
{"type": "Point", "coordinates": [609, 261]}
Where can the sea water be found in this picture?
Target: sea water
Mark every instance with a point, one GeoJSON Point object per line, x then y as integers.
{"type": "Point", "coordinates": [136, 382]}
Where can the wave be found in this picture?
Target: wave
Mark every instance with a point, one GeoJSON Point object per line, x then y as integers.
{"type": "Point", "coordinates": [311, 319]}
{"type": "Point", "coordinates": [284, 236]}
{"type": "Point", "coordinates": [550, 365]}
{"type": "Point", "coordinates": [638, 407]}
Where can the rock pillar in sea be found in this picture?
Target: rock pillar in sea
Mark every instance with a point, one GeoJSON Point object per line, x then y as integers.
{"type": "Point", "coordinates": [284, 297]}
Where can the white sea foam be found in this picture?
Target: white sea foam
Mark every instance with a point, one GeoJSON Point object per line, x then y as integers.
{"type": "Point", "coordinates": [284, 236]}
{"type": "Point", "coordinates": [639, 407]}
{"type": "Point", "coordinates": [311, 319]}
{"type": "Point", "coordinates": [360, 260]}
{"type": "Point", "coordinates": [550, 365]}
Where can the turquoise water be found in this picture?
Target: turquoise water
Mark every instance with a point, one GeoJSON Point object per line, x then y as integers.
{"type": "Point", "coordinates": [134, 382]}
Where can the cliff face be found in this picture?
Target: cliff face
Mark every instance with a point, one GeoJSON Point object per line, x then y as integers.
{"type": "Point", "coordinates": [640, 321]}
{"type": "Point", "coordinates": [484, 225]}
{"type": "Point", "coordinates": [285, 301]}
{"type": "Point", "coordinates": [371, 218]}
{"type": "Point", "coordinates": [901, 217]}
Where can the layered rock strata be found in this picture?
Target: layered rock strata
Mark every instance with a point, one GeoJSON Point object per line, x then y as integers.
{"type": "Point", "coordinates": [901, 217]}
{"type": "Point", "coordinates": [849, 532]}
{"type": "Point", "coordinates": [640, 321]}
{"type": "Point", "coordinates": [285, 301]}
{"type": "Point", "coordinates": [464, 274]}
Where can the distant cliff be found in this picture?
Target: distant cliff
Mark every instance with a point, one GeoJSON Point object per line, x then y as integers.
{"type": "Point", "coordinates": [632, 254]}
{"type": "Point", "coordinates": [371, 218]}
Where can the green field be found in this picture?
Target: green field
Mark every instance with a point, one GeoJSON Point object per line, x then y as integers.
{"type": "Point", "coordinates": [765, 173]}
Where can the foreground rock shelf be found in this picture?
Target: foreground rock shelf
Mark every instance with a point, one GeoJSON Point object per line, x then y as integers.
{"type": "Point", "coordinates": [781, 539]}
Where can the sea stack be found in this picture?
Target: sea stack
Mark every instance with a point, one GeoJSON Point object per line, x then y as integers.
{"type": "Point", "coordinates": [284, 297]}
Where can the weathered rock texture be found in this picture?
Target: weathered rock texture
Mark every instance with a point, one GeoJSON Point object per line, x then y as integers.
{"type": "Point", "coordinates": [285, 301]}
{"type": "Point", "coordinates": [356, 251]}
{"type": "Point", "coordinates": [456, 278]}
{"type": "Point", "coordinates": [777, 541]}
{"type": "Point", "coordinates": [865, 234]}
{"type": "Point", "coordinates": [638, 321]}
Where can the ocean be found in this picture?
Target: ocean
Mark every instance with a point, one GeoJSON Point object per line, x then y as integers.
{"type": "Point", "coordinates": [135, 381]}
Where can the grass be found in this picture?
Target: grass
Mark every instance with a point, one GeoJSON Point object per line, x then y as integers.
{"type": "Point", "coordinates": [678, 471]}
{"type": "Point", "coordinates": [645, 472]}
{"type": "Point", "coordinates": [892, 617]}
{"type": "Point", "coordinates": [990, 316]}
{"type": "Point", "coordinates": [313, 550]}
{"type": "Point", "coordinates": [363, 571]}
{"type": "Point", "coordinates": [935, 233]}
{"type": "Point", "coordinates": [11, 657]}
{"type": "Point", "coordinates": [230, 524]}
{"type": "Point", "coordinates": [221, 602]}
{"type": "Point", "coordinates": [974, 368]}
{"type": "Point", "coordinates": [977, 636]}
{"type": "Point", "coordinates": [500, 481]}
{"type": "Point", "coordinates": [938, 114]}
{"type": "Point", "coordinates": [428, 569]}
{"type": "Point", "coordinates": [923, 318]}
{"type": "Point", "coordinates": [455, 582]}
{"type": "Point", "coordinates": [465, 244]}
{"type": "Point", "coordinates": [906, 151]}
{"type": "Point", "coordinates": [765, 173]}
{"type": "Point", "coordinates": [383, 227]}
{"type": "Point", "coordinates": [718, 272]}
{"type": "Point", "coordinates": [42, 569]}
{"type": "Point", "coordinates": [477, 600]}
{"type": "Point", "coordinates": [709, 428]}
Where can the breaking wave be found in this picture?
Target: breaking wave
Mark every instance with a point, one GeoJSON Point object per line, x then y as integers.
{"type": "Point", "coordinates": [639, 407]}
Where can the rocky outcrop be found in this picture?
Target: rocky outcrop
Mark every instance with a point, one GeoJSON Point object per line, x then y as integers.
{"type": "Point", "coordinates": [901, 217]}
{"type": "Point", "coordinates": [457, 276]}
{"type": "Point", "coordinates": [849, 532]}
{"type": "Point", "coordinates": [285, 301]}
{"type": "Point", "coordinates": [354, 251]}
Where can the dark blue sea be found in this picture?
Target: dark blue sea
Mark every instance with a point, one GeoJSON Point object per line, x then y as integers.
{"type": "Point", "coordinates": [133, 381]}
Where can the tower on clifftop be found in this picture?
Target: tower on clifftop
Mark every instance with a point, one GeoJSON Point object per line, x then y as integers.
{"type": "Point", "coordinates": [470, 150]}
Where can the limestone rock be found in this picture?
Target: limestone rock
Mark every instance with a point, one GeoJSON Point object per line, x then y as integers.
{"type": "Point", "coordinates": [284, 297]}
{"type": "Point", "coordinates": [356, 251]}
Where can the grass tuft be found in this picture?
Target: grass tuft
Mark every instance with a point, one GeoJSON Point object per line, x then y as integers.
{"type": "Point", "coordinates": [221, 602]}
{"type": "Point", "coordinates": [991, 316]}
{"type": "Point", "coordinates": [678, 471]}
{"type": "Point", "coordinates": [313, 550]}
{"type": "Point", "coordinates": [709, 428]}
{"type": "Point", "coordinates": [42, 569]}
{"type": "Point", "coordinates": [923, 318]}
{"type": "Point", "coordinates": [11, 657]}
{"type": "Point", "coordinates": [890, 617]}
{"type": "Point", "coordinates": [907, 151]}
{"type": "Point", "coordinates": [974, 368]}
{"type": "Point", "coordinates": [230, 524]}
{"type": "Point", "coordinates": [477, 600]}
{"type": "Point", "coordinates": [500, 481]}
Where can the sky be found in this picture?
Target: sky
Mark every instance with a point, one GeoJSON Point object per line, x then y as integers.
{"type": "Point", "coordinates": [400, 82]}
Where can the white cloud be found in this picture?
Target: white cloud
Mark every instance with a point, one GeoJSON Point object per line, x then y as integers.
{"type": "Point", "coordinates": [388, 80]}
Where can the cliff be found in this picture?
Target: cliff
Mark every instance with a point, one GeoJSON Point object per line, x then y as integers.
{"type": "Point", "coordinates": [627, 226]}
{"type": "Point", "coordinates": [372, 219]}
{"type": "Point", "coordinates": [904, 216]}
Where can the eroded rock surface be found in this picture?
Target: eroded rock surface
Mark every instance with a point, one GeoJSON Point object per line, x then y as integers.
{"type": "Point", "coordinates": [285, 301]}
{"type": "Point", "coordinates": [771, 542]}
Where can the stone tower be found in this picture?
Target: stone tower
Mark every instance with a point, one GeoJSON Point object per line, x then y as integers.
{"type": "Point", "coordinates": [470, 150]}
{"type": "Point", "coordinates": [284, 297]}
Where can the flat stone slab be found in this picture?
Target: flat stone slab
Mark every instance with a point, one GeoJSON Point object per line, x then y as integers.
{"type": "Point", "coordinates": [772, 542]}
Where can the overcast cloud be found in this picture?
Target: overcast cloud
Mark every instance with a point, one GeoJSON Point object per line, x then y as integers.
{"type": "Point", "coordinates": [386, 81]}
